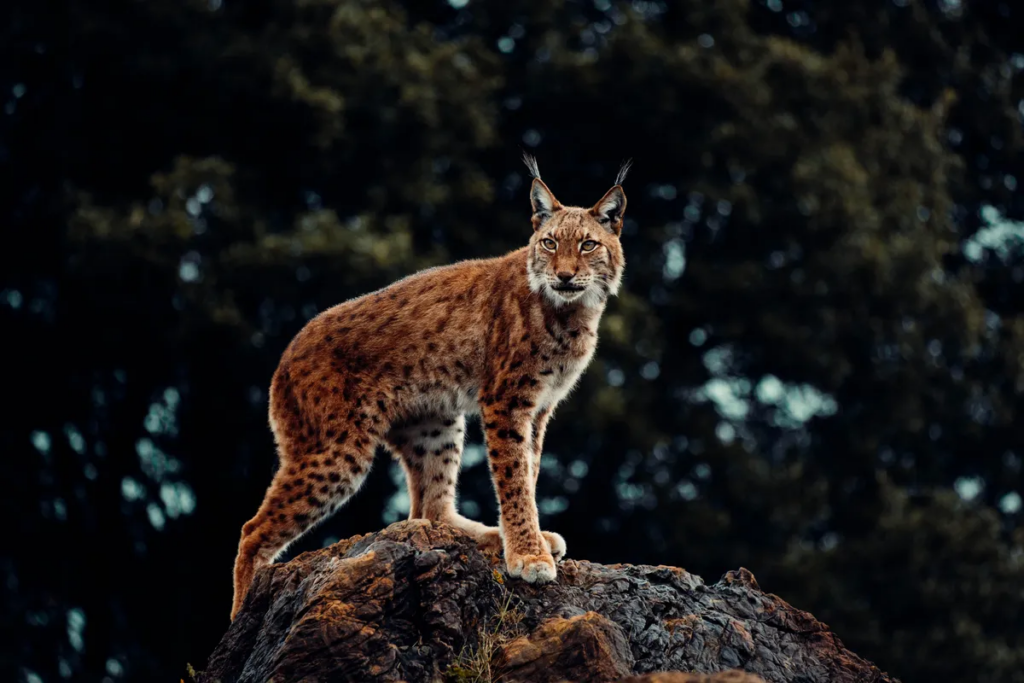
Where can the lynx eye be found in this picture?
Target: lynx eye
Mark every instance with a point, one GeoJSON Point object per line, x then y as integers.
{"type": "Point", "coordinates": [589, 245]}
{"type": "Point", "coordinates": [549, 244]}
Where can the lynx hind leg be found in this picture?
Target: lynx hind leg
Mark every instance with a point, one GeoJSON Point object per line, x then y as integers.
{"type": "Point", "coordinates": [430, 450]}
{"type": "Point", "coordinates": [304, 492]}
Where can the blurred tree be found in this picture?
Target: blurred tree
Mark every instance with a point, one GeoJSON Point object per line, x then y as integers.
{"type": "Point", "coordinates": [814, 372]}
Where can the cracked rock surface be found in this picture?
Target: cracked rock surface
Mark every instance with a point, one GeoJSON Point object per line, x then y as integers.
{"type": "Point", "coordinates": [419, 602]}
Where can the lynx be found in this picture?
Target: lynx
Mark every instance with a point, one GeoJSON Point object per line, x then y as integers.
{"type": "Point", "coordinates": [503, 338]}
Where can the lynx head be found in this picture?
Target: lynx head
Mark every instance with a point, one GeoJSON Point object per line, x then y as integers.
{"type": "Point", "coordinates": [575, 256]}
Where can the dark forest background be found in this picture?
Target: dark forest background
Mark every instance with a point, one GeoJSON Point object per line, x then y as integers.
{"type": "Point", "coordinates": [816, 369]}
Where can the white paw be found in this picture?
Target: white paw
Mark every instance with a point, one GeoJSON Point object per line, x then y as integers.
{"type": "Point", "coordinates": [532, 568]}
{"type": "Point", "coordinates": [491, 541]}
{"type": "Point", "coordinates": [556, 544]}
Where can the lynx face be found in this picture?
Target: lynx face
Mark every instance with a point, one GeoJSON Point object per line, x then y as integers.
{"type": "Point", "coordinates": [575, 255]}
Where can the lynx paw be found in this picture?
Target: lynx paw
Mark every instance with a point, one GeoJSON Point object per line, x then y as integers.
{"type": "Point", "coordinates": [491, 542]}
{"type": "Point", "coordinates": [556, 544]}
{"type": "Point", "coordinates": [531, 568]}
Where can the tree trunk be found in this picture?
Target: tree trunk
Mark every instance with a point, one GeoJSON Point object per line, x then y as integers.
{"type": "Point", "coordinates": [419, 602]}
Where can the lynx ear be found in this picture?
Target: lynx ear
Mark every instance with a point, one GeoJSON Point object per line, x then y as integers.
{"type": "Point", "coordinates": [544, 203]}
{"type": "Point", "coordinates": [610, 209]}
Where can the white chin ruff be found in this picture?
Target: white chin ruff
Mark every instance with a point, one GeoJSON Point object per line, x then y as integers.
{"type": "Point", "coordinates": [591, 297]}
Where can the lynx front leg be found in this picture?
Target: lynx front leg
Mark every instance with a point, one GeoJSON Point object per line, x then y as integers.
{"type": "Point", "coordinates": [540, 425]}
{"type": "Point", "coordinates": [509, 431]}
{"type": "Point", "coordinates": [491, 541]}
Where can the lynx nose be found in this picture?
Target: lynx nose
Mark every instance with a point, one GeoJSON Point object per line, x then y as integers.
{"type": "Point", "coordinates": [565, 275]}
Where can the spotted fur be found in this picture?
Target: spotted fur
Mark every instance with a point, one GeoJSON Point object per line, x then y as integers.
{"type": "Point", "coordinates": [504, 338]}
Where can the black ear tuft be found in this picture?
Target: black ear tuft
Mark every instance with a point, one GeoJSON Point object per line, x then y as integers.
{"type": "Point", "coordinates": [531, 163]}
{"type": "Point", "coordinates": [623, 171]}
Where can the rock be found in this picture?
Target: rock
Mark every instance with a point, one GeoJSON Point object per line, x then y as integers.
{"type": "Point", "coordinates": [584, 647]}
{"type": "Point", "coordinates": [419, 602]}
{"type": "Point", "coordinates": [733, 676]}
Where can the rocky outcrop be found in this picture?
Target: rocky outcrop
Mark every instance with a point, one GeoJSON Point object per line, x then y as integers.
{"type": "Point", "coordinates": [419, 602]}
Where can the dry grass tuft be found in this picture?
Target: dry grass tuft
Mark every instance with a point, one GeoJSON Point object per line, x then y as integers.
{"type": "Point", "coordinates": [475, 664]}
